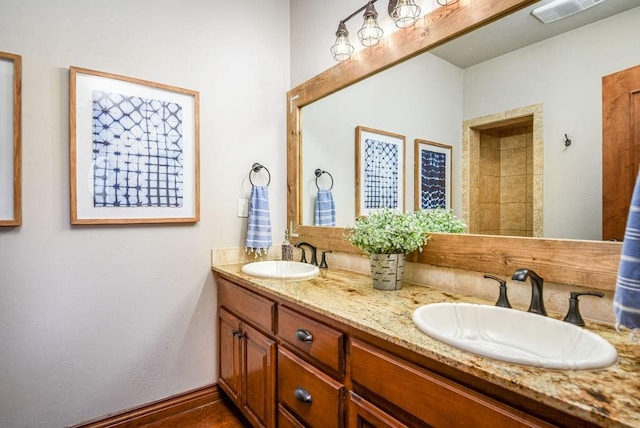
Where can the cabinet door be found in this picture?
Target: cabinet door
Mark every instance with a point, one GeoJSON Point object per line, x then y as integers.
{"type": "Point", "coordinates": [363, 414]}
{"type": "Point", "coordinates": [229, 354]}
{"type": "Point", "coordinates": [259, 377]}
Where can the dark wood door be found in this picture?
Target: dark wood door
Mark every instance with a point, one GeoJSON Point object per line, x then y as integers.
{"type": "Point", "coordinates": [620, 148]}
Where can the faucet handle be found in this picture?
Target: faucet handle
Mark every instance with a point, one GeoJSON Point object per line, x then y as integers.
{"type": "Point", "coordinates": [503, 300]}
{"type": "Point", "coordinates": [573, 314]}
{"type": "Point", "coordinates": [323, 262]}
{"type": "Point", "coordinates": [303, 258]}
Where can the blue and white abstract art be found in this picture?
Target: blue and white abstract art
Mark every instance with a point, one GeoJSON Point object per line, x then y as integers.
{"type": "Point", "coordinates": [137, 151]}
{"type": "Point", "coordinates": [380, 175]}
{"type": "Point", "coordinates": [434, 163]}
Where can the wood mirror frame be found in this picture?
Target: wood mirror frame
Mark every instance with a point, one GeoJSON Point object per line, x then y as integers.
{"type": "Point", "coordinates": [589, 264]}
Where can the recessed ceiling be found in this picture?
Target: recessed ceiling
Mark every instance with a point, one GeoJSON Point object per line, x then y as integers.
{"type": "Point", "coordinates": [521, 29]}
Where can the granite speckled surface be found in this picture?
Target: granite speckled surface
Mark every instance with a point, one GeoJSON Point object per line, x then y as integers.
{"type": "Point", "coordinates": [609, 397]}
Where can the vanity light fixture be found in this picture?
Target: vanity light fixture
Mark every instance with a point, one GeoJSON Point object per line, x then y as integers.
{"type": "Point", "coordinates": [446, 2]}
{"type": "Point", "coordinates": [342, 48]}
{"type": "Point", "coordinates": [403, 12]}
{"type": "Point", "coordinates": [370, 33]}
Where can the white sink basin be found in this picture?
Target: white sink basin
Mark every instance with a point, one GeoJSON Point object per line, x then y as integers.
{"type": "Point", "coordinates": [515, 336]}
{"type": "Point", "coordinates": [281, 269]}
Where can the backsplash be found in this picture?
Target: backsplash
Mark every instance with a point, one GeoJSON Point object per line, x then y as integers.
{"type": "Point", "coordinates": [556, 296]}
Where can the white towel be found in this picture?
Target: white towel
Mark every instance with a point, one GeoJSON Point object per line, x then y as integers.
{"type": "Point", "coordinates": [626, 300]}
{"type": "Point", "coordinates": [259, 222]}
{"type": "Point", "coordinates": [325, 212]}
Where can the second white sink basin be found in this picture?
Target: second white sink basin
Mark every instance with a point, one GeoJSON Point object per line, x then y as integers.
{"type": "Point", "coordinates": [281, 269]}
{"type": "Point", "coordinates": [515, 336]}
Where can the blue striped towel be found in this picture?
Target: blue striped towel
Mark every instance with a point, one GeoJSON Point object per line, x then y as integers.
{"type": "Point", "coordinates": [626, 299]}
{"type": "Point", "coordinates": [325, 212]}
{"type": "Point", "coordinates": [259, 222]}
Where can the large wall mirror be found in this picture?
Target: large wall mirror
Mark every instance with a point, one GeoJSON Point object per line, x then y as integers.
{"type": "Point", "coordinates": [514, 62]}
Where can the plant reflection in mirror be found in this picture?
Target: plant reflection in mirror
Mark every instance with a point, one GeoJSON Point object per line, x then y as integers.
{"type": "Point", "coordinates": [387, 232]}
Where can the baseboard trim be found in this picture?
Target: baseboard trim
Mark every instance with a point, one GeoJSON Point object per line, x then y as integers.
{"type": "Point", "coordinates": [157, 410]}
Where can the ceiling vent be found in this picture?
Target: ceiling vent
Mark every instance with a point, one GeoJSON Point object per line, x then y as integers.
{"type": "Point", "coordinates": [558, 9]}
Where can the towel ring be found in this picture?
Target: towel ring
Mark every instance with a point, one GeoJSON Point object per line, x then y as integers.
{"type": "Point", "coordinates": [256, 167]}
{"type": "Point", "coordinates": [318, 173]}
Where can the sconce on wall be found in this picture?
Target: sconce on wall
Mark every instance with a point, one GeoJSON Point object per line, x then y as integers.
{"type": "Point", "coordinates": [403, 12]}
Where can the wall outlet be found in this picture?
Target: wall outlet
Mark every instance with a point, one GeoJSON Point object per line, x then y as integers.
{"type": "Point", "coordinates": [243, 207]}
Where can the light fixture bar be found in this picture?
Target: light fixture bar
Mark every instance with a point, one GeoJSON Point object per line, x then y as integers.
{"type": "Point", "coordinates": [358, 11]}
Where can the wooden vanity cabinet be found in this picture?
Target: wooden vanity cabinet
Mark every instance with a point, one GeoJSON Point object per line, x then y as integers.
{"type": "Point", "coordinates": [306, 360]}
{"type": "Point", "coordinates": [287, 366]}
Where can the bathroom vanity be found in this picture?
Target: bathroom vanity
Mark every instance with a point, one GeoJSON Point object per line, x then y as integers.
{"type": "Point", "coordinates": [332, 351]}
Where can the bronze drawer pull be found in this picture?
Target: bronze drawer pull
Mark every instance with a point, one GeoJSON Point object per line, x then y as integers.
{"type": "Point", "coordinates": [303, 335]}
{"type": "Point", "coordinates": [302, 395]}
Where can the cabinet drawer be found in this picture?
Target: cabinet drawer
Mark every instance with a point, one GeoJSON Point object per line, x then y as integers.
{"type": "Point", "coordinates": [431, 398]}
{"type": "Point", "coordinates": [287, 420]}
{"type": "Point", "coordinates": [313, 397]}
{"type": "Point", "coordinates": [364, 414]}
{"type": "Point", "coordinates": [243, 302]}
{"type": "Point", "coordinates": [318, 340]}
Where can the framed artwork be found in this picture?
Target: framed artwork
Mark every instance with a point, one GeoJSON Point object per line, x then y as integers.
{"type": "Point", "coordinates": [380, 170]}
{"type": "Point", "coordinates": [432, 175]}
{"type": "Point", "coordinates": [134, 150]}
{"type": "Point", "coordinates": [10, 139]}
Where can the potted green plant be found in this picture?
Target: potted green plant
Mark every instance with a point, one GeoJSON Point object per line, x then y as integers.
{"type": "Point", "coordinates": [388, 236]}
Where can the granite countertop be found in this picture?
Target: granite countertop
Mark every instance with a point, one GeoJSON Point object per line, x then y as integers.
{"type": "Point", "coordinates": [608, 397]}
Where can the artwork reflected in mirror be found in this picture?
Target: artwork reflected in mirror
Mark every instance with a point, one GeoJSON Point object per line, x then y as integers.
{"type": "Point", "coordinates": [432, 175]}
{"type": "Point", "coordinates": [380, 162]}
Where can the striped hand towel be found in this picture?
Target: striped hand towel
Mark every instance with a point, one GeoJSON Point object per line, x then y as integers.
{"type": "Point", "coordinates": [325, 212]}
{"type": "Point", "coordinates": [259, 222]}
{"type": "Point", "coordinates": [626, 300]}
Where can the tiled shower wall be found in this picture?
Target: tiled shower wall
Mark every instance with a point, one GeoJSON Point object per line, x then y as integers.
{"type": "Point", "coordinates": [506, 182]}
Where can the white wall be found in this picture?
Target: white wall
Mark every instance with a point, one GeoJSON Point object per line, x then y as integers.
{"type": "Point", "coordinates": [565, 74]}
{"type": "Point", "coordinates": [97, 319]}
